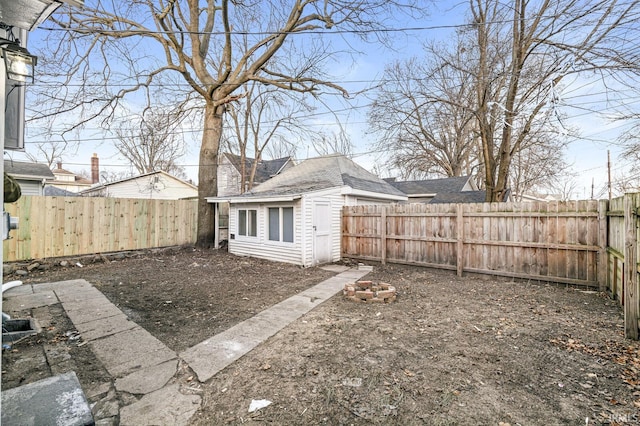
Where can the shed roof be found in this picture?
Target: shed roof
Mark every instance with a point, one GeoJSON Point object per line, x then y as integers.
{"type": "Point", "coordinates": [27, 171]}
{"type": "Point", "coordinates": [320, 173]}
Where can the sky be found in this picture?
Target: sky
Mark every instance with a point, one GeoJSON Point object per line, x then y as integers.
{"type": "Point", "coordinates": [586, 155]}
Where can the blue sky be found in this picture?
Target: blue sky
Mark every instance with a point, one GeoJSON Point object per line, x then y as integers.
{"type": "Point", "coordinates": [588, 155]}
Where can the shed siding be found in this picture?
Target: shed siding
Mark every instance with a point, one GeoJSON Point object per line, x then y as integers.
{"type": "Point", "coordinates": [260, 246]}
{"type": "Point", "coordinates": [336, 201]}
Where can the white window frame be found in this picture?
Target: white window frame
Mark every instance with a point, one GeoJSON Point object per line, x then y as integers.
{"type": "Point", "coordinates": [248, 222]}
{"type": "Point", "coordinates": [280, 239]}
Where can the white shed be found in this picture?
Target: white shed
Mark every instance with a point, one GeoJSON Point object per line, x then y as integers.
{"type": "Point", "coordinates": [295, 217]}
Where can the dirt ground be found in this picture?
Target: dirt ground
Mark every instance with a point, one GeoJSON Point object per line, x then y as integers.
{"type": "Point", "coordinates": [448, 351]}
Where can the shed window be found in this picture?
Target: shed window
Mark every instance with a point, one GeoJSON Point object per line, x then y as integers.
{"type": "Point", "coordinates": [281, 224]}
{"type": "Point", "coordinates": [247, 222]}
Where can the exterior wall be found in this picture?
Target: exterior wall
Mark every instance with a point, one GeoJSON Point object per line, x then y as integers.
{"type": "Point", "coordinates": [228, 178]}
{"type": "Point", "coordinates": [30, 187]}
{"type": "Point", "coordinates": [70, 186]}
{"type": "Point", "coordinates": [336, 202]}
{"type": "Point", "coordinates": [301, 251]}
{"type": "Point", "coordinates": [156, 186]}
{"type": "Point", "coordinates": [260, 246]}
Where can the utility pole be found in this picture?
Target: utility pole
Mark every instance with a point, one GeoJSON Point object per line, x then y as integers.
{"type": "Point", "coordinates": [592, 187]}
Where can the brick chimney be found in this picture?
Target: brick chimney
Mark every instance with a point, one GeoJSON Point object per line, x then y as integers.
{"type": "Point", "coordinates": [95, 169]}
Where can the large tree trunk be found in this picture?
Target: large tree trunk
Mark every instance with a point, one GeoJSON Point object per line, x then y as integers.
{"type": "Point", "coordinates": [208, 174]}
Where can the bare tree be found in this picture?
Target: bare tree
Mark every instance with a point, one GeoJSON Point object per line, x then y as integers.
{"type": "Point", "coordinates": [538, 165]}
{"type": "Point", "coordinates": [49, 152]}
{"type": "Point", "coordinates": [332, 143]}
{"type": "Point", "coordinates": [524, 51]}
{"type": "Point", "coordinates": [424, 136]}
{"type": "Point", "coordinates": [116, 49]}
{"type": "Point", "coordinates": [264, 116]}
{"type": "Point", "coordinates": [152, 142]}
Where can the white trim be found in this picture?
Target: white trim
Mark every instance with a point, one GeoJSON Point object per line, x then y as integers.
{"type": "Point", "coordinates": [248, 200]}
{"type": "Point", "coordinates": [347, 190]}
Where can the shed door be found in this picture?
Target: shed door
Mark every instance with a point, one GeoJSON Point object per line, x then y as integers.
{"type": "Point", "coordinates": [321, 233]}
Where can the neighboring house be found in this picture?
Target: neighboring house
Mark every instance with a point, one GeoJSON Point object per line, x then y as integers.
{"type": "Point", "coordinates": [541, 197]}
{"type": "Point", "coordinates": [423, 191]}
{"type": "Point", "coordinates": [230, 172]}
{"type": "Point", "coordinates": [70, 182]}
{"type": "Point", "coordinates": [295, 217]}
{"type": "Point", "coordinates": [31, 176]}
{"type": "Point", "coordinates": [465, 197]}
{"type": "Point", "coordinates": [446, 190]}
{"type": "Point", "coordinates": [155, 185]}
{"type": "Point", "coordinates": [53, 191]}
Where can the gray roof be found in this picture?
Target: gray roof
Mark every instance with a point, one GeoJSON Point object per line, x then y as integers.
{"type": "Point", "coordinates": [58, 192]}
{"type": "Point", "coordinates": [27, 171]}
{"type": "Point", "coordinates": [265, 170]}
{"type": "Point", "coordinates": [432, 186]}
{"type": "Point", "coordinates": [322, 173]}
{"type": "Point", "coordinates": [463, 197]}
{"type": "Point", "coordinates": [459, 197]}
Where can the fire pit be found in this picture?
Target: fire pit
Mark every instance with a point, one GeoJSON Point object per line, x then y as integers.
{"type": "Point", "coordinates": [370, 292]}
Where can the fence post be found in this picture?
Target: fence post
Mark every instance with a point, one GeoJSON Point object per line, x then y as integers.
{"type": "Point", "coordinates": [383, 235]}
{"type": "Point", "coordinates": [631, 269]}
{"type": "Point", "coordinates": [460, 240]}
{"type": "Point", "coordinates": [603, 235]}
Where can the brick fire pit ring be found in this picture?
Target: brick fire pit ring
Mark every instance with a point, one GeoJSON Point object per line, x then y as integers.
{"type": "Point", "coordinates": [370, 292]}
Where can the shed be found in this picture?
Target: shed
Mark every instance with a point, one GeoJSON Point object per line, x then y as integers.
{"type": "Point", "coordinates": [295, 217]}
{"type": "Point", "coordinates": [31, 176]}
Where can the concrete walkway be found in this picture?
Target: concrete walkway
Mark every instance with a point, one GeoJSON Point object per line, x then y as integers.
{"type": "Point", "coordinates": [142, 365]}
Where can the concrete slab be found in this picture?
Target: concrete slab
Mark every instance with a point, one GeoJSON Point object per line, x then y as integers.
{"type": "Point", "coordinates": [125, 352]}
{"type": "Point", "coordinates": [29, 301]}
{"type": "Point", "coordinates": [213, 355]}
{"type": "Point", "coordinates": [57, 400]}
{"type": "Point", "coordinates": [89, 310]}
{"type": "Point", "coordinates": [296, 305]}
{"type": "Point", "coordinates": [103, 327]}
{"type": "Point", "coordinates": [151, 358]}
{"type": "Point", "coordinates": [167, 406]}
{"type": "Point", "coordinates": [148, 379]}
{"type": "Point", "coordinates": [64, 287]}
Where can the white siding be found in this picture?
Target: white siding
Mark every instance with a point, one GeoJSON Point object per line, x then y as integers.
{"type": "Point", "coordinates": [336, 201]}
{"type": "Point", "coordinates": [30, 187]}
{"type": "Point", "coordinates": [228, 178]}
{"type": "Point", "coordinates": [301, 252]}
{"type": "Point", "coordinates": [260, 246]}
{"type": "Point", "coordinates": [156, 186]}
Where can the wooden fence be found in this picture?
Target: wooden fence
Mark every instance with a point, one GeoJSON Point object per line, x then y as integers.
{"type": "Point", "coordinates": [69, 226]}
{"type": "Point", "coordinates": [623, 259]}
{"type": "Point", "coordinates": [561, 242]}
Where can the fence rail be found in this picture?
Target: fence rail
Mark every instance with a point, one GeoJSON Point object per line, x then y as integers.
{"type": "Point", "coordinates": [560, 242]}
{"type": "Point", "coordinates": [69, 226]}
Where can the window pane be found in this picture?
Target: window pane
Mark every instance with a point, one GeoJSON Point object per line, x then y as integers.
{"type": "Point", "coordinates": [274, 224]}
{"type": "Point", "coordinates": [242, 222]}
{"type": "Point", "coordinates": [287, 224]}
{"type": "Point", "coordinates": [253, 227]}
